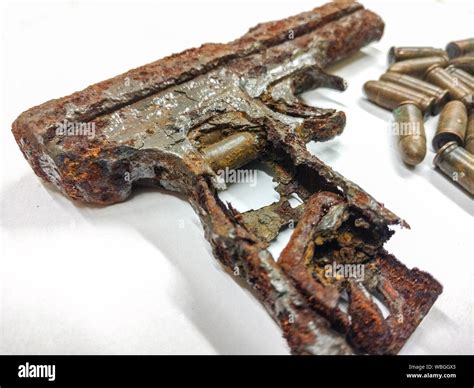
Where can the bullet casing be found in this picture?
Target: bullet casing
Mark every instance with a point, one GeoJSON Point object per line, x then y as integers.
{"type": "Point", "coordinates": [465, 63]}
{"type": "Point", "coordinates": [233, 151]}
{"type": "Point", "coordinates": [457, 90]}
{"type": "Point", "coordinates": [463, 76]}
{"type": "Point", "coordinates": [411, 133]}
{"type": "Point", "coordinates": [457, 163]}
{"type": "Point", "coordinates": [469, 139]}
{"type": "Point", "coordinates": [451, 125]}
{"type": "Point", "coordinates": [397, 54]}
{"type": "Point", "coordinates": [460, 47]}
{"type": "Point", "coordinates": [418, 66]}
{"type": "Point", "coordinates": [390, 95]}
{"type": "Point", "coordinates": [440, 95]}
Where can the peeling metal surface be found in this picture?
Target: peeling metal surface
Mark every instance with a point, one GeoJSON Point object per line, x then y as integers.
{"type": "Point", "coordinates": [156, 125]}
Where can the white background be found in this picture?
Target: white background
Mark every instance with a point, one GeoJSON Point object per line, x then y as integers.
{"type": "Point", "coordinates": [139, 277]}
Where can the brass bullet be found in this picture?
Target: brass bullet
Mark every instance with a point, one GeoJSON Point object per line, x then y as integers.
{"type": "Point", "coordinates": [457, 164]}
{"type": "Point", "coordinates": [451, 125]}
{"type": "Point", "coordinates": [233, 151]}
{"type": "Point", "coordinates": [457, 90]}
{"type": "Point", "coordinates": [397, 54]}
{"type": "Point", "coordinates": [411, 133]}
{"type": "Point", "coordinates": [469, 139]}
{"type": "Point", "coordinates": [460, 47]}
{"type": "Point", "coordinates": [465, 63]}
{"type": "Point", "coordinates": [463, 76]}
{"type": "Point", "coordinates": [418, 66]}
{"type": "Point", "coordinates": [440, 95]}
{"type": "Point", "coordinates": [389, 95]}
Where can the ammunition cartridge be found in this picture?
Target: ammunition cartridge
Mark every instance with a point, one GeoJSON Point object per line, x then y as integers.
{"type": "Point", "coordinates": [411, 133]}
{"type": "Point", "coordinates": [457, 90]}
{"type": "Point", "coordinates": [451, 125]}
{"type": "Point", "coordinates": [418, 66]}
{"type": "Point", "coordinates": [469, 139]}
{"type": "Point", "coordinates": [440, 95]}
{"type": "Point", "coordinates": [465, 63]}
{"type": "Point", "coordinates": [457, 164]}
{"type": "Point", "coordinates": [233, 151]}
{"type": "Point", "coordinates": [463, 76]}
{"type": "Point", "coordinates": [460, 47]}
{"type": "Point", "coordinates": [389, 95]}
{"type": "Point", "coordinates": [397, 54]}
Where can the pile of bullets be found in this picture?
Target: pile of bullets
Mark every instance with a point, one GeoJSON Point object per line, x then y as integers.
{"type": "Point", "coordinates": [423, 81]}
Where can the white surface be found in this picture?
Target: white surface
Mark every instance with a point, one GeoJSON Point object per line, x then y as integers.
{"type": "Point", "coordinates": [139, 277]}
